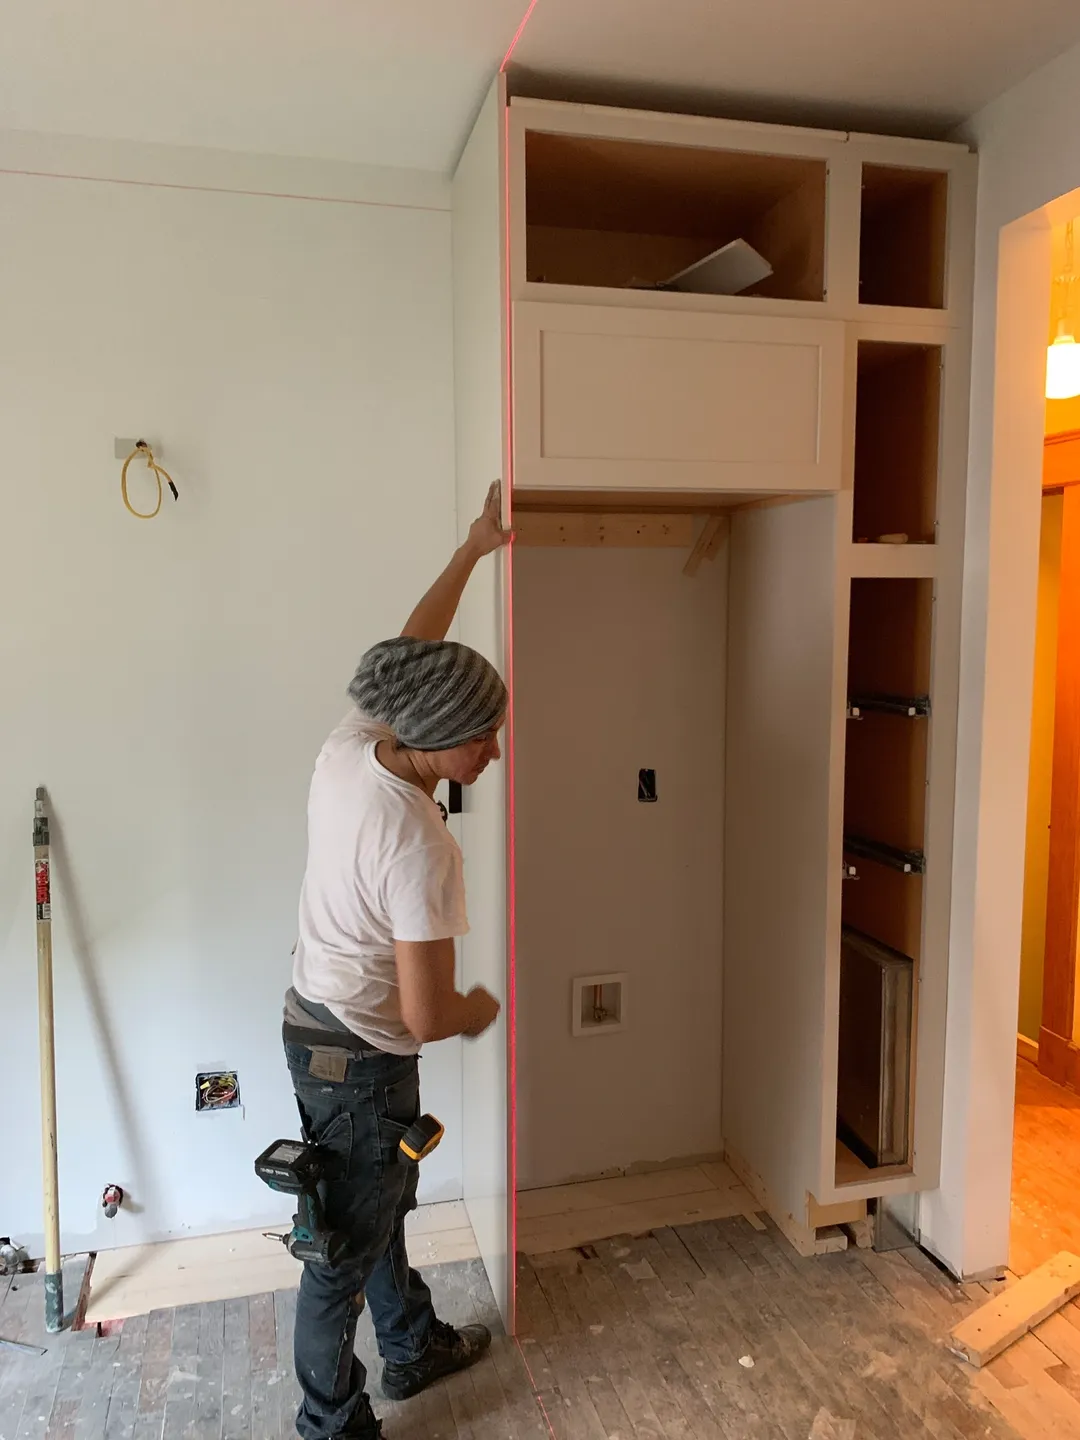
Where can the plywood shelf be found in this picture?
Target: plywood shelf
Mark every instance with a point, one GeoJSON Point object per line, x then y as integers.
{"type": "Point", "coordinates": [903, 237]}
{"type": "Point", "coordinates": [619, 213]}
{"type": "Point", "coordinates": [851, 1171]}
{"type": "Point", "coordinates": [892, 562]}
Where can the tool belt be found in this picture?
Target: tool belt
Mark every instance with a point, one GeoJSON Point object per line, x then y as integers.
{"type": "Point", "coordinates": [326, 1031]}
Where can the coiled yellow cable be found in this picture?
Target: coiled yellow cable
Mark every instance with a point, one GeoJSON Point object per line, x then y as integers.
{"type": "Point", "coordinates": [159, 474]}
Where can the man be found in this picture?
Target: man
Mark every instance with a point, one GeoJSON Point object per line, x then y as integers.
{"type": "Point", "coordinates": [373, 979]}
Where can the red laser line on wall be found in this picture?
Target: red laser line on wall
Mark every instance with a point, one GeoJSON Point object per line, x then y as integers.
{"type": "Point", "coordinates": [511, 861]}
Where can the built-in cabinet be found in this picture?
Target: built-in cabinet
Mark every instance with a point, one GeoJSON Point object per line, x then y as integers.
{"type": "Point", "coordinates": [752, 341]}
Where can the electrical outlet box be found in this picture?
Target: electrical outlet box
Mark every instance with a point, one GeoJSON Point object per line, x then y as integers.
{"type": "Point", "coordinates": [217, 1090]}
{"type": "Point", "coordinates": [598, 1004]}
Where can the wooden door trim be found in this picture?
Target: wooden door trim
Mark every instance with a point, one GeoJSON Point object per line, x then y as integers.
{"type": "Point", "coordinates": [1058, 1055]}
{"type": "Point", "coordinates": [1061, 460]}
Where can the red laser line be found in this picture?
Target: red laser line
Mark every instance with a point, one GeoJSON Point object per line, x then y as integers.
{"type": "Point", "coordinates": [517, 36]}
{"type": "Point", "coordinates": [511, 860]}
{"type": "Point", "coordinates": [536, 1392]}
{"type": "Point", "coordinates": [225, 190]}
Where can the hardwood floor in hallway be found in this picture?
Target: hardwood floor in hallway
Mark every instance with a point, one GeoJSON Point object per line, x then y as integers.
{"type": "Point", "coordinates": [1046, 1171]}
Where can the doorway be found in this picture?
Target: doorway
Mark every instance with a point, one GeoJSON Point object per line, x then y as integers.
{"type": "Point", "coordinates": [1045, 1213]}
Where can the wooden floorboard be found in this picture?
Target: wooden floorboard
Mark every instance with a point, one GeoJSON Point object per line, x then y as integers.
{"type": "Point", "coordinates": [708, 1331]}
{"type": "Point", "coordinates": [1046, 1163]}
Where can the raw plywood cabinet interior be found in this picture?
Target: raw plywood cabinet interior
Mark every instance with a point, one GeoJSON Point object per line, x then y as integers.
{"type": "Point", "coordinates": [599, 1004]}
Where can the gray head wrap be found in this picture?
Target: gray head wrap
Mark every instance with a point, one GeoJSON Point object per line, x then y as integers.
{"type": "Point", "coordinates": [433, 694]}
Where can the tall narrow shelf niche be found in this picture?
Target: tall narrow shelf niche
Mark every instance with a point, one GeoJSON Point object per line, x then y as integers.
{"type": "Point", "coordinates": [903, 239]}
{"type": "Point", "coordinates": [885, 795]}
{"type": "Point", "coordinates": [897, 441]}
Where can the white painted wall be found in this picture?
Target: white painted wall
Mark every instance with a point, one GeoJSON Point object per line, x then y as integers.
{"type": "Point", "coordinates": [172, 681]}
{"type": "Point", "coordinates": [1027, 158]}
{"type": "Point", "coordinates": [619, 665]}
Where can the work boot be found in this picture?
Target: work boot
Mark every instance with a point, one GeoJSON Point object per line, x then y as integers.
{"type": "Point", "coordinates": [448, 1351]}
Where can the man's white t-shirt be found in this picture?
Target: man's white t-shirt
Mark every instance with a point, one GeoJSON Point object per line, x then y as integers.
{"type": "Point", "coordinates": [381, 867]}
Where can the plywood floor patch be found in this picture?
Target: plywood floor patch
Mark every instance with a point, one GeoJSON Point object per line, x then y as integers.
{"type": "Point", "coordinates": [562, 1217]}
{"type": "Point", "coordinates": [139, 1278]}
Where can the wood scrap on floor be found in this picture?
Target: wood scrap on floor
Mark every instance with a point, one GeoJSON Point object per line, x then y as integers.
{"type": "Point", "coordinates": [1007, 1317]}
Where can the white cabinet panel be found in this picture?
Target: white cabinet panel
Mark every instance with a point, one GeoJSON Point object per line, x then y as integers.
{"type": "Point", "coordinates": [619, 399]}
{"type": "Point", "coordinates": [479, 328]}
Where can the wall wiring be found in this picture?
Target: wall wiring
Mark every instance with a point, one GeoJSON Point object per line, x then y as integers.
{"type": "Point", "coordinates": [143, 449]}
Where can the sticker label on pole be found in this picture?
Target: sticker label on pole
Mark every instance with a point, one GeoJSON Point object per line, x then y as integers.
{"type": "Point", "coordinates": [41, 889]}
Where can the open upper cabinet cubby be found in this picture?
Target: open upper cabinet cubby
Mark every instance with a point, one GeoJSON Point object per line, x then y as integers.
{"type": "Point", "coordinates": [628, 214]}
{"type": "Point", "coordinates": [897, 435]}
{"type": "Point", "coordinates": [903, 237]}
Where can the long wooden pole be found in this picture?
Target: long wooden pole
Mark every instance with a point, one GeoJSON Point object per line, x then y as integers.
{"type": "Point", "coordinates": [54, 1281]}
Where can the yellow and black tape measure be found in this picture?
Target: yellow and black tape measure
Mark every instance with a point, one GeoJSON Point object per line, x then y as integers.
{"type": "Point", "coordinates": [421, 1138]}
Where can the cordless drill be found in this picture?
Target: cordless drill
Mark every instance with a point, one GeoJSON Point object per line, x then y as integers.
{"type": "Point", "coordinates": [295, 1167]}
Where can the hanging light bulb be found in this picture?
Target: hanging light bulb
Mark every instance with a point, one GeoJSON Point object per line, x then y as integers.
{"type": "Point", "coordinates": [1063, 353]}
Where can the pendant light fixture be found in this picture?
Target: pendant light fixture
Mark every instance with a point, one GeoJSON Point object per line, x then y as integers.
{"type": "Point", "coordinates": [1063, 353]}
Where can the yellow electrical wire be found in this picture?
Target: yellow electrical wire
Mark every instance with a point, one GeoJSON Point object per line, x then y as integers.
{"type": "Point", "coordinates": [159, 474]}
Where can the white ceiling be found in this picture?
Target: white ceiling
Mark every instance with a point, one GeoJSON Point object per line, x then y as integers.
{"type": "Point", "coordinates": [396, 82]}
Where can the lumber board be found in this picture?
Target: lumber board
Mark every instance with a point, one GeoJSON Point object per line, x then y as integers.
{"type": "Point", "coordinates": [708, 542]}
{"type": "Point", "coordinates": [1008, 1316]}
{"type": "Point", "coordinates": [844, 1212]}
{"type": "Point", "coordinates": [606, 531]}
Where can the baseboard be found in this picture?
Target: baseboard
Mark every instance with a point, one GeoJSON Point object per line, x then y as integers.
{"type": "Point", "coordinates": [1027, 1049]}
{"type": "Point", "coordinates": [1059, 1059]}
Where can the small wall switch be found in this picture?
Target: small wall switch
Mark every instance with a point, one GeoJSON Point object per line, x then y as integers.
{"type": "Point", "coordinates": [598, 1004]}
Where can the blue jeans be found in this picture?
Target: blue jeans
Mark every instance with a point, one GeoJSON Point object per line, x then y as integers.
{"type": "Point", "coordinates": [360, 1119]}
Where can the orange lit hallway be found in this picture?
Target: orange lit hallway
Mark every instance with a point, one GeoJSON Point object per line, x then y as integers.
{"type": "Point", "coordinates": [1046, 1170]}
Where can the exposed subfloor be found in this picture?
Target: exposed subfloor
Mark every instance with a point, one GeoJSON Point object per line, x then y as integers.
{"type": "Point", "coordinates": [1046, 1170]}
{"type": "Point", "coordinates": [644, 1338]}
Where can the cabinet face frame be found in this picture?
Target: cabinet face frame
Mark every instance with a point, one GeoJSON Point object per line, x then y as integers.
{"type": "Point", "coordinates": [844, 155]}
